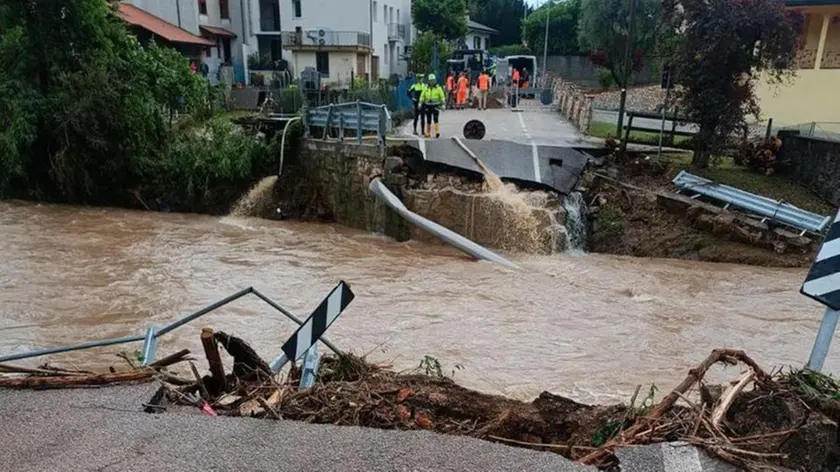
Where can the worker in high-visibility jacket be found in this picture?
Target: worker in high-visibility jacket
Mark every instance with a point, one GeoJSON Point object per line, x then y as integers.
{"type": "Point", "coordinates": [414, 93]}
{"type": "Point", "coordinates": [463, 90]}
{"type": "Point", "coordinates": [450, 90]}
{"type": "Point", "coordinates": [431, 100]}
{"type": "Point", "coordinates": [483, 89]}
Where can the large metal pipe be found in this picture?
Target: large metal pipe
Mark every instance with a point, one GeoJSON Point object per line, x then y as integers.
{"type": "Point", "coordinates": [479, 252]}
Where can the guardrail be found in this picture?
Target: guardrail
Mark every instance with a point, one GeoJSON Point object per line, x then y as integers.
{"type": "Point", "coordinates": [150, 337]}
{"type": "Point", "coordinates": [356, 117]}
{"type": "Point", "coordinates": [767, 208]}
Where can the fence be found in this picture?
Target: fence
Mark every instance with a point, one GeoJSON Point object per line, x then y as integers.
{"type": "Point", "coordinates": [573, 103]}
{"type": "Point", "coordinates": [152, 333]}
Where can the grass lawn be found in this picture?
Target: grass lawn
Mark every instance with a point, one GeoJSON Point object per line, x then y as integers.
{"type": "Point", "coordinates": [602, 130]}
{"type": "Point", "coordinates": [773, 186]}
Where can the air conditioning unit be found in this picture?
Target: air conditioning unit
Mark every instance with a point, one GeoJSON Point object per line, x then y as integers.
{"type": "Point", "coordinates": [320, 36]}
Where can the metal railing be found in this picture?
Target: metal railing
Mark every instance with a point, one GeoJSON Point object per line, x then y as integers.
{"type": "Point", "coordinates": [324, 38]}
{"type": "Point", "coordinates": [357, 118]}
{"type": "Point", "coordinates": [152, 334]}
{"type": "Point", "coordinates": [396, 32]}
{"type": "Point", "coordinates": [767, 208]}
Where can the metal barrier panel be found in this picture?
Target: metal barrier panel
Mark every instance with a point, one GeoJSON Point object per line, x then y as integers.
{"type": "Point", "coordinates": [531, 98]}
{"type": "Point", "coordinates": [763, 206]}
{"type": "Point", "coordinates": [360, 117]}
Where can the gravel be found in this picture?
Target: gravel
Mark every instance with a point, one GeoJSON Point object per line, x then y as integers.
{"type": "Point", "coordinates": [103, 429]}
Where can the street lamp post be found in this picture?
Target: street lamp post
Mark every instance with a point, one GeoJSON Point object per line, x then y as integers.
{"type": "Point", "coordinates": [545, 45]}
{"type": "Point", "coordinates": [628, 52]}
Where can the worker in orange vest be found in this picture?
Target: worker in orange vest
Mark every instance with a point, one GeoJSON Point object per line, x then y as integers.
{"type": "Point", "coordinates": [483, 89]}
{"type": "Point", "coordinates": [450, 89]}
{"type": "Point", "coordinates": [515, 77]}
{"type": "Point", "coordinates": [463, 90]}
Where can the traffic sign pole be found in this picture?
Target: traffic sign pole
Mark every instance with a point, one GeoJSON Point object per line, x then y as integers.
{"type": "Point", "coordinates": [823, 341]}
{"type": "Point", "coordinates": [823, 285]}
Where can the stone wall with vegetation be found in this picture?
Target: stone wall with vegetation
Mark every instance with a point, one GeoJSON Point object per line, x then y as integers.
{"type": "Point", "coordinates": [814, 162]}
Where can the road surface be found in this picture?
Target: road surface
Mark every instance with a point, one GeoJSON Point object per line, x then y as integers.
{"type": "Point", "coordinates": [104, 429]}
{"type": "Point", "coordinates": [543, 127]}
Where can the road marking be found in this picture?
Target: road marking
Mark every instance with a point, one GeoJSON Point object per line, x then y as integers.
{"type": "Point", "coordinates": [535, 151]}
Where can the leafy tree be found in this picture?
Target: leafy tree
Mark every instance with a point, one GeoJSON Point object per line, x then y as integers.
{"type": "Point", "coordinates": [501, 15]}
{"type": "Point", "coordinates": [724, 46]}
{"type": "Point", "coordinates": [422, 51]}
{"type": "Point", "coordinates": [445, 18]}
{"type": "Point", "coordinates": [562, 28]}
{"type": "Point", "coordinates": [603, 31]}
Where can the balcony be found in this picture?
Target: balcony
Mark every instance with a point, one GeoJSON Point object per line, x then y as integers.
{"type": "Point", "coordinates": [396, 32]}
{"type": "Point", "coordinates": [326, 40]}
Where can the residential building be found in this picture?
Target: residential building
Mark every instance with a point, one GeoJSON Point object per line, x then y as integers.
{"type": "Point", "coordinates": [343, 39]}
{"type": "Point", "coordinates": [813, 95]}
{"type": "Point", "coordinates": [478, 35]}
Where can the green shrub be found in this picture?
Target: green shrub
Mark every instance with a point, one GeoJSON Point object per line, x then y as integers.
{"type": "Point", "coordinates": [605, 78]}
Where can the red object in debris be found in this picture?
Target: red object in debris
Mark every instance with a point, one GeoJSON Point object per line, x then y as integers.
{"type": "Point", "coordinates": [207, 409]}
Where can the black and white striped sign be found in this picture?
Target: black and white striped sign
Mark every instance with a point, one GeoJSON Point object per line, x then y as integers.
{"type": "Point", "coordinates": [314, 327]}
{"type": "Point", "coordinates": [823, 281]}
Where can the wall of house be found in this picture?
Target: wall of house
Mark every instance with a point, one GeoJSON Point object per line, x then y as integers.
{"type": "Point", "coordinates": [471, 37]}
{"type": "Point", "coordinates": [168, 11]}
{"type": "Point", "coordinates": [812, 96]}
{"type": "Point", "coordinates": [342, 66]}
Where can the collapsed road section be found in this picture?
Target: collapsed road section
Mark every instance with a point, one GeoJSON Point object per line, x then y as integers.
{"type": "Point", "coordinates": [558, 168]}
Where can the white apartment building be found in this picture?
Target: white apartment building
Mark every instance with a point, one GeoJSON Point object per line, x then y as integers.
{"type": "Point", "coordinates": [343, 39]}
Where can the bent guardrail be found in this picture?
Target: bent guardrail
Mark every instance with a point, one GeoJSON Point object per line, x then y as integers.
{"type": "Point", "coordinates": [765, 207]}
{"type": "Point", "coordinates": [152, 334]}
{"type": "Point", "coordinates": [356, 118]}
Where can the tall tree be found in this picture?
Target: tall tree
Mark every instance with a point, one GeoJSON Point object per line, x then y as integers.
{"type": "Point", "coordinates": [562, 28]}
{"type": "Point", "coordinates": [444, 18]}
{"type": "Point", "coordinates": [603, 32]}
{"type": "Point", "coordinates": [501, 15]}
{"type": "Point", "coordinates": [722, 49]}
{"type": "Point", "coordinates": [422, 51]}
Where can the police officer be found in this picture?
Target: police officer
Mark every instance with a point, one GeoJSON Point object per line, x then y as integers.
{"type": "Point", "coordinates": [414, 93]}
{"type": "Point", "coordinates": [431, 100]}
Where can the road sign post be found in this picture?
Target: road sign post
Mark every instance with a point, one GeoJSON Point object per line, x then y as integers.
{"type": "Point", "coordinates": [314, 327]}
{"type": "Point", "coordinates": [823, 285]}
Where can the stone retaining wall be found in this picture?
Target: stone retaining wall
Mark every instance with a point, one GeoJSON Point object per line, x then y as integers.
{"type": "Point", "coordinates": [573, 103]}
{"type": "Point", "coordinates": [328, 181]}
{"type": "Point", "coordinates": [814, 162]}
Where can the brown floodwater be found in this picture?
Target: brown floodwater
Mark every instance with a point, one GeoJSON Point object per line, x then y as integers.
{"type": "Point", "coordinates": [591, 327]}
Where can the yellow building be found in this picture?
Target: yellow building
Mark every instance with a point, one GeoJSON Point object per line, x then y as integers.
{"type": "Point", "coordinates": [814, 95]}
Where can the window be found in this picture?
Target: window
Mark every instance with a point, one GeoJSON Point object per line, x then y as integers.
{"type": "Point", "coordinates": [322, 63]}
{"type": "Point", "coordinates": [224, 10]}
{"type": "Point", "coordinates": [202, 7]}
{"type": "Point", "coordinates": [385, 52]}
{"type": "Point", "coordinates": [208, 51]}
{"type": "Point", "coordinates": [385, 13]}
{"type": "Point", "coordinates": [297, 8]}
{"type": "Point", "coordinates": [226, 49]}
{"type": "Point", "coordinates": [374, 12]}
{"type": "Point", "coordinates": [390, 14]}
{"type": "Point", "coordinates": [476, 42]}
{"type": "Point", "coordinates": [398, 15]}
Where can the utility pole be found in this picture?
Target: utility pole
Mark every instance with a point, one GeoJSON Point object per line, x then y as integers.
{"type": "Point", "coordinates": [628, 53]}
{"type": "Point", "coordinates": [545, 46]}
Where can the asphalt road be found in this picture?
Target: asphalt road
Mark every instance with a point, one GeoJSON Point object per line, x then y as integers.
{"type": "Point", "coordinates": [103, 429]}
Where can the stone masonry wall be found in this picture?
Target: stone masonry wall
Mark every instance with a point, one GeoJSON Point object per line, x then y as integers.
{"type": "Point", "coordinates": [329, 181]}
{"type": "Point", "coordinates": [814, 162]}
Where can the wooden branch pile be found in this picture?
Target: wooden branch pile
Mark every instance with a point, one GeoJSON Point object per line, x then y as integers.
{"type": "Point", "coordinates": [48, 377]}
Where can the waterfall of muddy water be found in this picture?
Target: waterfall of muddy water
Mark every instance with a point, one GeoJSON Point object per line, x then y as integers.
{"type": "Point", "coordinates": [258, 200]}
{"type": "Point", "coordinates": [575, 208]}
{"type": "Point", "coordinates": [591, 327]}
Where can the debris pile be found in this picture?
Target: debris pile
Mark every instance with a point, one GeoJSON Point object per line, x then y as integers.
{"type": "Point", "coordinates": [785, 421]}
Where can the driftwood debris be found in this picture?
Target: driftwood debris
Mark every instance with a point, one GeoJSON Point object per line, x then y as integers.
{"type": "Point", "coordinates": [66, 381]}
{"type": "Point", "coordinates": [211, 351]}
{"type": "Point", "coordinates": [247, 364]}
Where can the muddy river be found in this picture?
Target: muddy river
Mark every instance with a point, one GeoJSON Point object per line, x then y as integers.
{"type": "Point", "coordinates": [591, 326]}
